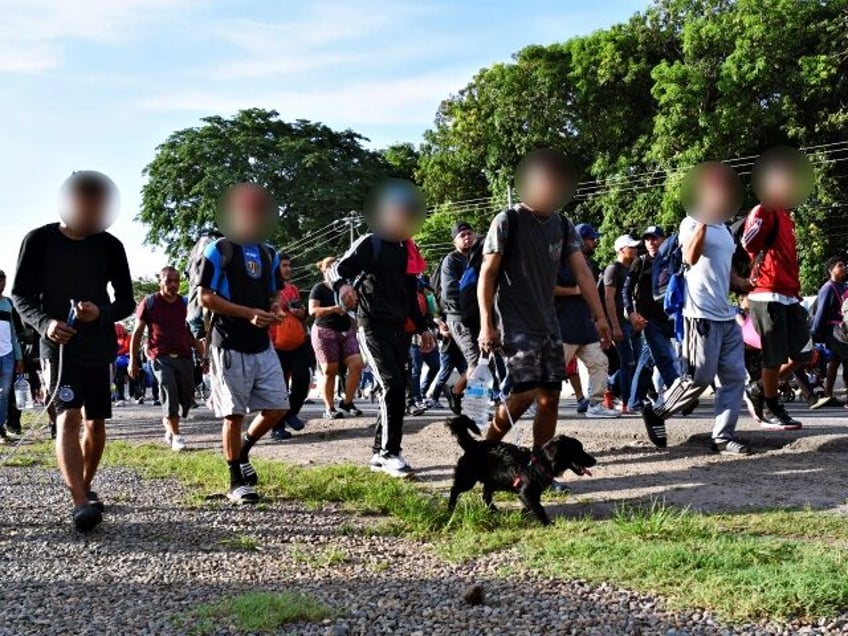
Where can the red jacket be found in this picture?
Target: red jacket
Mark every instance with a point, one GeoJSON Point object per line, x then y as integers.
{"type": "Point", "coordinates": [778, 272]}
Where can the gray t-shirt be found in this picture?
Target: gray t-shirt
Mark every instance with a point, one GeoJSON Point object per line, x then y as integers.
{"type": "Point", "coordinates": [708, 282]}
{"type": "Point", "coordinates": [525, 296]}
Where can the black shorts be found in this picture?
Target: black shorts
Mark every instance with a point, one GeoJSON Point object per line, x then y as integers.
{"type": "Point", "coordinates": [81, 386]}
{"type": "Point", "coordinates": [784, 332]}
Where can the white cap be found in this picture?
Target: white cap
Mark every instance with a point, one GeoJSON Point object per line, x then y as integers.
{"type": "Point", "coordinates": [625, 240]}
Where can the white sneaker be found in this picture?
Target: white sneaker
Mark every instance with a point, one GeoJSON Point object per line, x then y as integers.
{"type": "Point", "coordinates": [120, 403]}
{"type": "Point", "coordinates": [178, 443]}
{"type": "Point", "coordinates": [396, 466]}
{"type": "Point", "coordinates": [600, 411]}
{"type": "Point", "coordinates": [168, 439]}
{"type": "Point", "coordinates": [376, 462]}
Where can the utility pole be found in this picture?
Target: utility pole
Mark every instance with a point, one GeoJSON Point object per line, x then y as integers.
{"type": "Point", "coordinates": [509, 195]}
{"type": "Point", "coordinates": [352, 220]}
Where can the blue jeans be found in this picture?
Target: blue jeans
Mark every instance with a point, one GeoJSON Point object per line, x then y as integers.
{"type": "Point", "coordinates": [656, 350]}
{"type": "Point", "coordinates": [418, 360]}
{"type": "Point", "coordinates": [7, 379]}
{"type": "Point", "coordinates": [629, 350]}
{"type": "Point", "coordinates": [450, 358]}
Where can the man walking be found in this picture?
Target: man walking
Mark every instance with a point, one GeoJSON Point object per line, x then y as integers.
{"type": "Point", "coordinates": [169, 349]}
{"type": "Point", "coordinates": [523, 251]}
{"type": "Point", "coordinates": [238, 283]}
{"type": "Point", "coordinates": [379, 273]}
{"type": "Point", "coordinates": [625, 336]}
{"type": "Point", "coordinates": [775, 302]}
{"type": "Point", "coordinates": [11, 360]}
{"type": "Point", "coordinates": [713, 348]}
{"type": "Point", "coordinates": [70, 265]}
{"type": "Point", "coordinates": [462, 332]}
{"type": "Point", "coordinates": [648, 319]}
{"type": "Point", "coordinates": [828, 321]}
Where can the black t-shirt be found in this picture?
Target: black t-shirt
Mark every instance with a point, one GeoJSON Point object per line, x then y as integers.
{"type": "Point", "coordinates": [645, 304]}
{"type": "Point", "coordinates": [326, 297]}
{"type": "Point", "coordinates": [573, 312]}
{"type": "Point", "coordinates": [53, 269]}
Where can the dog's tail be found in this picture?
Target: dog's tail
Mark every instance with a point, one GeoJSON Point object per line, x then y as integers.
{"type": "Point", "coordinates": [461, 428]}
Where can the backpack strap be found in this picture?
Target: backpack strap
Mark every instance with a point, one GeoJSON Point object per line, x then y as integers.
{"type": "Point", "coordinates": [769, 243]}
{"type": "Point", "coordinates": [149, 301]}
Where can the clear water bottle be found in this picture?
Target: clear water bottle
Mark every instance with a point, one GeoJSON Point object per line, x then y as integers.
{"type": "Point", "coordinates": [22, 393]}
{"type": "Point", "coordinates": [475, 401]}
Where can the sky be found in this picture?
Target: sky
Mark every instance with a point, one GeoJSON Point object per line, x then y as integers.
{"type": "Point", "coordinates": [98, 84]}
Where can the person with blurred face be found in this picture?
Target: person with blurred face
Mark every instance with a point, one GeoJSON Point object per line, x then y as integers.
{"type": "Point", "coordinates": [464, 335]}
{"type": "Point", "coordinates": [828, 323]}
{"type": "Point", "coordinates": [713, 348]}
{"type": "Point", "coordinates": [648, 319]}
{"type": "Point", "coordinates": [61, 288]}
{"type": "Point", "coordinates": [775, 302]}
{"type": "Point", "coordinates": [296, 362]}
{"type": "Point", "coordinates": [169, 350]}
{"type": "Point", "coordinates": [241, 292]}
{"type": "Point", "coordinates": [522, 254]}
{"type": "Point", "coordinates": [378, 275]}
{"type": "Point", "coordinates": [11, 357]}
{"type": "Point", "coordinates": [626, 337]}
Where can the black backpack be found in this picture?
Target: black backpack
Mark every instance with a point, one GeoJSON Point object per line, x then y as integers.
{"type": "Point", "coordinates": [742, 262]}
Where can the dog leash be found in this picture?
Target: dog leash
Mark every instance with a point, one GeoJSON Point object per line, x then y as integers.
{"type": "Point", "coordinates": [517, 433]}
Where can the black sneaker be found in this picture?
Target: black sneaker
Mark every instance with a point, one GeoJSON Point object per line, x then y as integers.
{"type": "Point", "coordinates": [294, 422]}
{"type": "Point", "coordinates": [350, 409]}
{"type": "Point", "coordinates": [415, 409]}
{"type": "Point", "coordinates": [87, 517]}
{"type": "Point", "coordinates": [755, 401]}
{"type": "Point", "coordinates": [243, 495]}
{"type": "Point", "coordinates": [560, 487]}
{"type": "Point", "coordinates": [280, 434]}
{"type": "Point", "coordinates": [158, 403]}
{"type": "Point", "coordinates": [691, 408]}
{"type": "Point", "coordinates": [779, 420]}
{"type": "Point", "coordinates": [94, 500]}
{"type": "Point", "coordinates": [454, 401]}
{"type": "Point", "coordinates": [248, 473]}
{"type": "Point", "coordinates": [654, 425]}
{"type": "Point", "coordinates": [729, 447]}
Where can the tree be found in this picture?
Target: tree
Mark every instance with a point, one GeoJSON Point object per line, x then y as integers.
{"type": "Point", "coordinates": [638, 103]}
{"type": "Point", "coordinates": [402, 160]}
{"type": "Point", "coordinates": [315, 174]}
{"type": "Point", "coordinates": [144, 286]}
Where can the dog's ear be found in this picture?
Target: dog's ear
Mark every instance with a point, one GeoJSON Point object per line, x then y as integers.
{"type": "Point", "coordinates": [557, 453]}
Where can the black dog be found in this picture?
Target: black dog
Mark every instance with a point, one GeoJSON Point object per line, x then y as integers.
{"type": "Point", "coordinates": [502, 466]}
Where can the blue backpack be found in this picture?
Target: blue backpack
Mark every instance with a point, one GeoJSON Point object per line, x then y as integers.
{"type": "Point", "coordinates": [667, 263]}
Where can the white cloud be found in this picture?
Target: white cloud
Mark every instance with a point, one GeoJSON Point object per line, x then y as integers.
{"type": "Point", "coordinates": [411, 100]}
{"type": "Point", "coordinates": [33, 32]}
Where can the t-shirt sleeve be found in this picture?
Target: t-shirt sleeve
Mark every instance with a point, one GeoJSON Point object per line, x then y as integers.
{"type": "Point", "coordinates": [315, 293]}
{"type": "Point", "coordinates": [210, 269]}
{"type": "Point", "coordinates": [495, 242]}
{"type": "Point", "coordinates": [687, 229]}
{"type": "Point", "coordinates": [571, 241]}
{"type": "Point", "coordinates": [141, 312]}
{"type": "Point", "coordinates": [276, 281]}
{"type": "Point", "coordinates": [611, 276]}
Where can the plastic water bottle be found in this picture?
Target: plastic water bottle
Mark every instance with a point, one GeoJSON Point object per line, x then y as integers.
{"type": "Point", "coordinates": [475, 402]}
{"type": "Point", "coordinates": [21, 392]}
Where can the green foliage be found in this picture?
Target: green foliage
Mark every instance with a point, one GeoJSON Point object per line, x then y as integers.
{"type": "Point", "coordinates": [639, 103]}
{"type": "Point", "coordinates": [402, 160]}
{"type": "Point", "coordinates": [144, 286]}
{"type": "Point", "coordinates": [314, 173]}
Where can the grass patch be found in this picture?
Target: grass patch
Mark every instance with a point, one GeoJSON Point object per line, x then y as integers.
{"type": "Point", "coordinates": [256, 612]}
{"type": "Point", "coordinates": [773, 563]}
{"type": "Point", "coordinates": [319, 557]}
{"type": "Point", "coordinates": [241, 542]}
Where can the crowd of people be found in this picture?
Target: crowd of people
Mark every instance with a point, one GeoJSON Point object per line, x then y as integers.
{"type": "Point", "coordinates": [654, 329]}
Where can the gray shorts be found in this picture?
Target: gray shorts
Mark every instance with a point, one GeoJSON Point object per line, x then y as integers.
{"type": "Point", "coordinates": [246, 382]}
{"type": "Point", "coordinates": [176, 384]}
{"type": "Point", "coordinates": [466, 340]}
{"type": "Point", "coordinates": [784, 332]}
{"type": "Point", "coordinates": [534, 362]}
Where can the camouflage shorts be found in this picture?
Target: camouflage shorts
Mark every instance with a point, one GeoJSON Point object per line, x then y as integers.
{"type": "Point", "coordinates": [534, 362]}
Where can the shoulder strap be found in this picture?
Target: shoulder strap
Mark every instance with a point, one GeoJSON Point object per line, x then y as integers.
{"type": "Point", "coordinates": [268, 255]}
{"type": "Point", "coordinates": [771, 239]}
{"type": "Point", "coordinates": [511, 230]}
{"type": "Point", "coordinates": [149, 301]}
{"type": "Point", "coordinates": [376, 248]}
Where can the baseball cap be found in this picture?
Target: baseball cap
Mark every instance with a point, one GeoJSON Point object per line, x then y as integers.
{"type": "Point", "coordinates": [625, 240]}
{"type": "Point", "coordinates": [654, 231]}
{"type": "Point", "coordinates": [587, 231]}
{"type": "Point", "coordinates": [459, 227]}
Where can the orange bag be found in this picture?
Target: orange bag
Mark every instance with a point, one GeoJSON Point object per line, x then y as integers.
{"type": "Point", "coordinates": [289, 334]}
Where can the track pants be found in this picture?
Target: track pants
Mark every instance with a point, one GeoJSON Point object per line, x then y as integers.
{"type": "Point", "coordinates": [296, 372]}
{"type": "Point", "coordinates": [712, 350]}
{"type": "Point", "coordinates": [387, 350]}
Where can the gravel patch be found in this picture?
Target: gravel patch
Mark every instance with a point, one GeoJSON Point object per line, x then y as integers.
{"type": "Point", "coordinates": [154, 559]}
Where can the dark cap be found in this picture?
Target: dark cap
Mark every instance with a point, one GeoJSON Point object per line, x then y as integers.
{"type": "Point", "coordinates": [459, 227]}
{"type": "Point", "coordinates": [587, 231]}
{"type": "Point", "coordinates": [654, 231]}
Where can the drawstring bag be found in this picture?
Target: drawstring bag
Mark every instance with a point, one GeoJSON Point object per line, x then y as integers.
{"type": "Point", "coordinates": [288, 335]}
